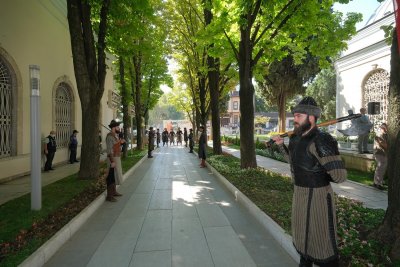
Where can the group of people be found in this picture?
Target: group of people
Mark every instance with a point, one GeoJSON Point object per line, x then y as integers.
{"type": "Point", "coordinates": [315, 163]}
{"type": "Point", "coordinates": [166, 137]}
{"type": "Point", "coordinates": [50, 148]}
{"type": "Point", "coordinates": [170, 137]}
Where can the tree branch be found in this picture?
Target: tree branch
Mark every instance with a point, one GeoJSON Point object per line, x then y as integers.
{"type": "Point", "coordinates": [269, 26]}
{"type": "Point", "coordinates": [284, 21]}
{"type": "Point", "coordinates": [254, 35]}
{"type": "Point", "coordinates": [255, 13]}
{"type": "Point", "coordinates": [196, 13]}
{"type": "Point", "coordinates": [275, 33]}
{"type": "Point", "coordinates": [235, 51]}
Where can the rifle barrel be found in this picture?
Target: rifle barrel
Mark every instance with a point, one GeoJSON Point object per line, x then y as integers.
{"type": "Point", "coordinates": [322, 124]}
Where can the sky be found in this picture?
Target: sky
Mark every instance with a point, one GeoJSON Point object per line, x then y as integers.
{"type": "Point", "coordinates": [365, 7]}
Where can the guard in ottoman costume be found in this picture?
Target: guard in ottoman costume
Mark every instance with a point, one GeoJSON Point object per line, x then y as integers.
{"type": "Point", "coordinates": [202, 147]}
{"type": "Point", "coordinates": [114, 177]}
{"type": "Point", "coordinates": [315, 162]}
{"type": "Point", "coordinates": [150, 146]}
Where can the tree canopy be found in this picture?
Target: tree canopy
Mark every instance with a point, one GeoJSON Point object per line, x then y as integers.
{"type": "Point", "coordinates": [215, 43]}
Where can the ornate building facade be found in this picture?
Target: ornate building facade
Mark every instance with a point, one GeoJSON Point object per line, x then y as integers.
{"type": "Point", "coordinates": [36, 33]}
{"type": "Point", "coordinates": [363, 69]}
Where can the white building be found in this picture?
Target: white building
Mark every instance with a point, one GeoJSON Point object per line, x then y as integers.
{"type": "Point", "coordinates": [35, 32]}
{"type": "Point", "coordinates": [363, 69]}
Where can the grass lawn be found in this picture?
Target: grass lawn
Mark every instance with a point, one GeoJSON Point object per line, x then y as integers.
{"type": "Point", "coordinates": [22, 231]}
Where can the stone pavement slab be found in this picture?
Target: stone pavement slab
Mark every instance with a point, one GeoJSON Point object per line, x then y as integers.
{"type": "Point", "coordinates": [172, 213]}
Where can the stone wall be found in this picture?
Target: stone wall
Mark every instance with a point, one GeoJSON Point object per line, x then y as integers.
{"type": "Point", "coordinates": [362, 162]}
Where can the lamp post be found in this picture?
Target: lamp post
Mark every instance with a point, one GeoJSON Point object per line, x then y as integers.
{"type": "Point", "coordinates": [36, 179]}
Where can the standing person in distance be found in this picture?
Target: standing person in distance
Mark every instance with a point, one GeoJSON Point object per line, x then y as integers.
{"type": "Point", "coordinates": [100, 143]}
{"type": "Point", "coordinates": [50, 147]}
{"type": "Point", "coordinates": [158, 135]}
{"type": "Point", "coordinates": [315, 162]}
{"type": "Point", "coordinates": [164, 137]}
{"type": "Point", "coordinates": [172, 137]}
{"type": "Point", "coordinates": [191, 140]}
{"type": "Point", "coordinates": [365, 125]}
{"type": "Point", "coordinates": [179, 137]}
{"type": "Point", "coordinates": [185, 136]}
{"type": "Point", "coordinates": [150, 146]}
{"type": "Point", "coordinates": [380, 154]}
{"type": "Point", "coordinates": [202, 147]}
{"type": "Point", "coordinates": [73, 147]}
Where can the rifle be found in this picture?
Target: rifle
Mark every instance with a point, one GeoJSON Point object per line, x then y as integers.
{"type": "Point", "coordinates": [322, 124]}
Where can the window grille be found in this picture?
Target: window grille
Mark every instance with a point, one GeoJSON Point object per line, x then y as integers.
{"type": "Point", "coordinates": [6, 111]}
{"type": "Point", "coordinates": [376, 89]}
{"type": "Point", "coordinates": [63, 109]}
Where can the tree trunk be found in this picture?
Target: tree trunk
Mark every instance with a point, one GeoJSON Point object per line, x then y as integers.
{"type": "Point", "coordinates": [146, 121]}
{"type": "Point", "coordinates": [137, 62]}
{"type": "Point", "coordinates": [282, 111]}
{"type": "Point", "coordinates": [125, 103]}
{"type": "Point", "coordinates": [246, 93]}
{"type": "Point", "coordinates": [90, 156]}
{"type": "Point", "coordinates": [389, 230]}
{"type": "Point", "coordinates": [90, 71]}
{"type": "Point", "coordinates": [213, 82]}
{"type": "Point", "coordinates": [146, 112]}
{"type": "Point", "coordinates": [203, 99]}
{"type": "Point", "coordinates": [194, 123]}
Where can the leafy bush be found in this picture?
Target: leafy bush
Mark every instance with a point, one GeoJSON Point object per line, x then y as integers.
{"type": "Point", "coordinates": [354, 223]}
{"type": "Point", "coordinates": [271, 153]}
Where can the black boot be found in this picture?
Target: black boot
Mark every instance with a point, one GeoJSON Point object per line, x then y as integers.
{"type": "Point", "coordinates": [110, 193]}
{"type": "Point", "coordinates": [115, 192]}
{"type": "Point", "coordinates": [304, 262]}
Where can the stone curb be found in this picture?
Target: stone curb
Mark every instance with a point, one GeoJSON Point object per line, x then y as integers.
{"type": "Point", "coordinates": [269, 224]}
{"type": "Point", "coordinates": [51, 246]}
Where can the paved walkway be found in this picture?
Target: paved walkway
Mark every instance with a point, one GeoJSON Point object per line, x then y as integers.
{"type": "Point", "coordinates": [175, 214]}
{"type": "Point", "coordinates": [172, 213]}
{"type": "Point", "coordinates": [369, 196]}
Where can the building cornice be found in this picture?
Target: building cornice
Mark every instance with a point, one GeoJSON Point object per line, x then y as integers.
{"type": "Point", "coordinates": [58, 9]}
{"type": "Point", "coordinates": [372, 28]}
{"type": "Point", "coordinates": [366, 54]}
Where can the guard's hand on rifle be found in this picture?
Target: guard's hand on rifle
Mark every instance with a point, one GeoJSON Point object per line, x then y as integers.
{"type": "Point", "coordinates": [278, 140]}
{"type": "Point", "coordinates": [122, 140]}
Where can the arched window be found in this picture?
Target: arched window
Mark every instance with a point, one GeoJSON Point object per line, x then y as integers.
{"type": "Point", "coordinates": [63, 112]}
{"type": "Point", "coordinates": [376, 89]}
{"type": "Point", "coordinates": [7, 112]}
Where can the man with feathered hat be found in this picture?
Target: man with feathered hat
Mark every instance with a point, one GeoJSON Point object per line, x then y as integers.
{"type": "Point", "coordinates": [114, 176]}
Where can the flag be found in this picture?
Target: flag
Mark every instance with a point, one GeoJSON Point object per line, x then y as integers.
{"type": "Point", "coordinates": [357, 128]}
